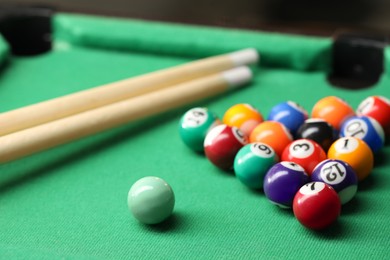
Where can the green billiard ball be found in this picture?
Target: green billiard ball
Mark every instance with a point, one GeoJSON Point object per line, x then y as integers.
{"type": "Point", "coordinates": [194, 125]}
{"type": "Point", "coordinates": [252, 163]}
{"type": "Point", "coordinates": [151, 200]}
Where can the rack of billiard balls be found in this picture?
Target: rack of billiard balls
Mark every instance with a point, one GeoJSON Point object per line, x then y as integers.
{"type": "Point", "coordinates": [312, 165]}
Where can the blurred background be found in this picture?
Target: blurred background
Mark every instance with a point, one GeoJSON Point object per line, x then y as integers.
{"type": "Point", "coordinates": [293, 16]}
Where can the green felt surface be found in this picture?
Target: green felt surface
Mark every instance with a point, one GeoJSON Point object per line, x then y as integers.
{"type": "Point", "coordinates": [70, 202]}
{"type": "Point", "coordinates": [301, 53]}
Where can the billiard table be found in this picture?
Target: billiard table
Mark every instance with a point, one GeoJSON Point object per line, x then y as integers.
{"type": "Point", "coordinates": [70, 202]}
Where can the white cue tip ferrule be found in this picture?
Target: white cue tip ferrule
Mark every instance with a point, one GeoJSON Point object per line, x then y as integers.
{"type": "Point", "coordinates": [238, 76]}
{"type": "Point", "coordinates": [245, 57]}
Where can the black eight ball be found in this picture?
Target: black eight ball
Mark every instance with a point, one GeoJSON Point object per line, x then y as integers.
{"type": "Point", "coordinates": [317, 130]}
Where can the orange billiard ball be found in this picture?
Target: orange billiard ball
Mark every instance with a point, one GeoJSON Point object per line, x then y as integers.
{"type": "Point", "coordinates": [272, 133]}
{"type": "Point", "coordinates": [356, 153]}
{"type": "Point", "coordinates": [243, 116]}
{"type": "Point", "coordinates": [333, 110]}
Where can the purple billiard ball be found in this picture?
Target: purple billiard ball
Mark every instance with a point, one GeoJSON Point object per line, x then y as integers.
{"type": "Point", "coordinates": [283, 181]}
{"type": "Point", "coordinates": [339, 175]}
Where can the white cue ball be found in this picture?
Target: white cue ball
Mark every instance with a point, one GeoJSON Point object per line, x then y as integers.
{"type": "Point", "coordinates": [151, 200]}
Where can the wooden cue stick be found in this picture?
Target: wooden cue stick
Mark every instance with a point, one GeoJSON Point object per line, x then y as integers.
{"type": "Point", "coordinates": [61, 131]}
{"type": "Point", "coordinates": [54, 109]}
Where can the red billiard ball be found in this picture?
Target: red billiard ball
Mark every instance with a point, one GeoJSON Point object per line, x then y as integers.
{"type": "Point", "coordinates": [221, 145]}
{"type": "Point", "coordinates": [316, 205]}
{"type": "Point", "coordinates": [304, 152]}
{"type": "Point", "coordinates": [376, 107]}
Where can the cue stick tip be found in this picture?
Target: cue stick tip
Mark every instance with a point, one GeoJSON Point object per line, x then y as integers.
{"type": "Point", "coordinates": [237, 77]}
{"type": "Point", "coordinates": [245, 56]}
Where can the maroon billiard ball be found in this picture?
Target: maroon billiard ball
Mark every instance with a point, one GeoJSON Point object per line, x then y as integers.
{"type": "Point", "coordinates": [222, 144]}
{"type": "Point", "coordinates": [316, 205]}
{"type": "Point", "coordinates": [304, 152]}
